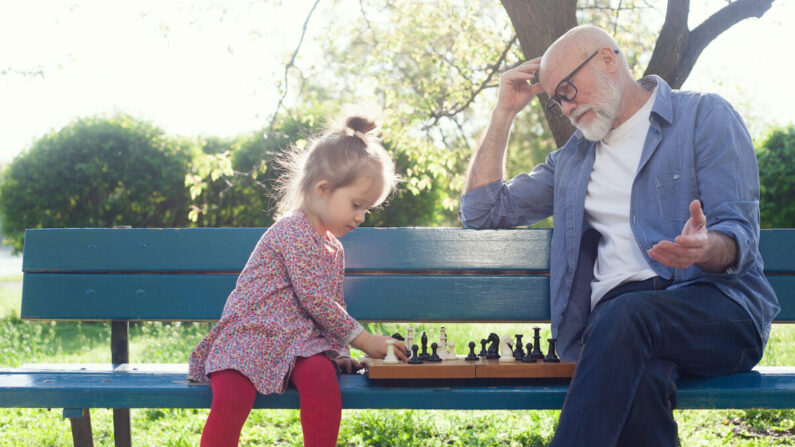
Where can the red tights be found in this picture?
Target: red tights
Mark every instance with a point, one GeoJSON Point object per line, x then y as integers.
{"type": "Point", "coordinates": [318, 392]}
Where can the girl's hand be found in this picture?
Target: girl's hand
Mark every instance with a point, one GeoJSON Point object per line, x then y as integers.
{"type": "Point", "coordinates": [375, 346]}
{"type": "Point", "coordinates": [348, 366]}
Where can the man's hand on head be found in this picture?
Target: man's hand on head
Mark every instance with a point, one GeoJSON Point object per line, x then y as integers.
{"type": "Point", "coordinates": [518, 86]}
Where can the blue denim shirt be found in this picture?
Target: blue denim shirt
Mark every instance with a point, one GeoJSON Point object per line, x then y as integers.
{"type": "Point", "coordinates": [697, 148]}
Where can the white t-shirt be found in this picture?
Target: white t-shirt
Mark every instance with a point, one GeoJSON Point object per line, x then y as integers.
{"type": "Point", "coordinates": [619, 258]}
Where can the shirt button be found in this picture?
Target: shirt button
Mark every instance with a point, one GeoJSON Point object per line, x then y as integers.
{"type": "Point", "coordinates": [676, 176]}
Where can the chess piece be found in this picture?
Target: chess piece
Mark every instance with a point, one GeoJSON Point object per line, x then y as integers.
{"type": "Point", "coordinates": [434, 356]}
{"type": "Point", "coordinates": [409, 339]}
{"type": "Point", "coordinates": [451, 352]}
{"type": "Point", "coordinates": [442, 343]}
{"type": "Point", "coordinates": [424, 340]}
{"type": "Point", "coordinates": [518, 353]}
{"type": "Point", "coordinates": [552, 356]}
{"type": "Point", "coordinates": [528, 358]}
{"type": "Point", "coordinates": [397, 336]}
{"type": "Point", "coordinates": [390, 358]}
{"type": "Point", "coordinates": [471, 355]}
{"type": "Point", "coordinates": [415, 358]}
{"type": "Point", "coordinates": [493, 350]}
{"type": "Point", "coordinates": [505, 349]}
{"type": "Point", "coordinates": [537, 354]}
{"type": "Point", "coordinates": [482, 348]}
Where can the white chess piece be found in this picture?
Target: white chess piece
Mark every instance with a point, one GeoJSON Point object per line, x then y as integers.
{"type": "Point", "coordinates": [451, 353]}
{"type": "Point", "coordinates": [409, 337]}
{"type": "Point", "coordinates": [442, 351]}
{"type": "Point", "coordinates": [390, 358]}
{"type": "Point", "coordinates": [506, 354]}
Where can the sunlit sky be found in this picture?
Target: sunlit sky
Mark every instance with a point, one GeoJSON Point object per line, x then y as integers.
{"type": "Point", "coordinates": [212, 67]}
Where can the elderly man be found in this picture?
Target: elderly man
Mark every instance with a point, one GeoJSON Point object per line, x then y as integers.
{"type": "Point", "coordinates": [655, 267]}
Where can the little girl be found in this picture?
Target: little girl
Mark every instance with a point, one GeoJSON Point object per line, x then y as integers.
{"type": "Point", "coordinates": [285, 321]}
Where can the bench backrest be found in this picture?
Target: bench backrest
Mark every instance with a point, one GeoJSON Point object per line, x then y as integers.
{"type": "Point", "coordinates": [392, 274]}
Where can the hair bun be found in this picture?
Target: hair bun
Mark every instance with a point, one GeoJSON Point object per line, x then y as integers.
{"type": "Point", "coordinates": [359, 123]}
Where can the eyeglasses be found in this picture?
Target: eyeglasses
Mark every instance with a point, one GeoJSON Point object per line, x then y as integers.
{"type": "Point", "coordinates": [566, 91]}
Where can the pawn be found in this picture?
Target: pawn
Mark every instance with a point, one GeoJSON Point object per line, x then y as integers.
{"type": "Point", "coordinates": [552, 356]}
{"type": "Point", "coordinates": [518, 353]}
{"type": "Point", "coordinates": [390, 358]}
{"type": "Point", "coordinates": [415, 358]}
{"type": "Point", "coordinates": [434, 356]}
{"type": "Point", "coordinates": [528, 358]}
{"type": "Point", "coordinates": [471, 355]}
{"type": "Point", "coordinates": [483, 352]}
{"type": "Point", "coordinates": [451, 352]}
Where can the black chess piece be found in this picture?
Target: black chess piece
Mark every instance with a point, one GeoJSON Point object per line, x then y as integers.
{"type": "Point", "coordinates": [434, 356]}
{"type": "Point", "coordinates": [518, 353]}
{"type": "Point", "coordinates": [537, 354]}
{"type": "Point", "coordinates": [493, 352]}
{"type": "Point", "coordinates": [415, 359]}
{"type": "Point", "coordinates": [552, 356]}
{"type": "Point", "coordinates": [424, 340]}
{"type": "Point", "coordinates": [482, 347]}
{"type": "Point", "coordinates": [397, 336]}
{"type": "Point", "coordinates": [471, 355]}
{"type": "Point", "coordinates": [528, 358]}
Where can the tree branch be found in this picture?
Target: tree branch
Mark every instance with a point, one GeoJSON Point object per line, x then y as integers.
{"type": "Point", "coordinates": [287, 67]}
{"type": "Point", "coordinates": [494, 69]}
{"type": "Point", "coordinates": [716, 24]}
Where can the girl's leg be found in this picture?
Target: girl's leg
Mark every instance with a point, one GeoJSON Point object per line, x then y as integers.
{"type": "Point", "coordinates": [233, 397]}
{"type": "Point", "coordinates": [321, 403]}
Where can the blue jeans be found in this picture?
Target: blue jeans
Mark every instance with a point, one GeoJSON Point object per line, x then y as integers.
{"type": "Point", "coordinates": [638, 340]}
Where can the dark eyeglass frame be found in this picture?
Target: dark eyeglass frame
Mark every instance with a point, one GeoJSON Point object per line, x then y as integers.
{"type": "Point", "coordinates": [554, 103]}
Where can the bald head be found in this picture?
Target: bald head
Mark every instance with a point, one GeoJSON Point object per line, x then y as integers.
{"type": "Point", "coordinates": [570, 50]}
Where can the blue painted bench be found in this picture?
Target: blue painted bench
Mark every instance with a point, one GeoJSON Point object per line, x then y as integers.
{"type": "Point", "coordinates": [436, 274]}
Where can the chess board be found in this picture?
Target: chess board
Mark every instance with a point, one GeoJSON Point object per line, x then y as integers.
{"type": "Point", "coordinates": [468, 369]}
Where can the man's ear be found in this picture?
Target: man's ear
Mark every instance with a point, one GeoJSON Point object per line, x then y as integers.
{"type": "Point", "coordinates": [609, 59]}
{"type": "Point", "coordinates": [322, 187]}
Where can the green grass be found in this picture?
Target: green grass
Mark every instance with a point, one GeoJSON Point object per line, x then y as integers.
{"type": "Point", "coordinates": [70, 342]}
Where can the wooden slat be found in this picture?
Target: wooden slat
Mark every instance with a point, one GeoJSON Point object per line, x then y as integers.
{"type": "Point", "coordinates": [202, 297]}
{"type": "Point", "coordinates": [227, 249]}
{"type": "Point", "coordinates": [777, 248]}
{"type": "Point", "coordinates": [774, 387]}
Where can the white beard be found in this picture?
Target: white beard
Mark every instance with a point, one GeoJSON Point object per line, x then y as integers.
{"type": "Point", "coordinates": [604, 109]}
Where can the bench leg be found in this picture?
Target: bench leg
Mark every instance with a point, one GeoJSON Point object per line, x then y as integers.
{"type": "Point", "coordinates": [121, 427]}
{"type": "Point", "coordinates": [81, 426]}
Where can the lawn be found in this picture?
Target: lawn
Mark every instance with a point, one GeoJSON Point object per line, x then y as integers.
{"type": "Point", "coordinates": [29, 342]}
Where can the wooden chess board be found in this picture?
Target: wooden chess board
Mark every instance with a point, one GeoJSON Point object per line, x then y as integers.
{"type": "Point", "coordinates": [468, 369]}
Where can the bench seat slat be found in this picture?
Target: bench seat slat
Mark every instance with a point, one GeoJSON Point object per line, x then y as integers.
{"type": "Point", "coordinates": [202, 297]}
{"type": "Point", "coordinates": [774, 387]}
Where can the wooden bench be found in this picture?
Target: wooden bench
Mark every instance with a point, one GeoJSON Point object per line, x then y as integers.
{"type": "Point", "coordinates": [393, 275]}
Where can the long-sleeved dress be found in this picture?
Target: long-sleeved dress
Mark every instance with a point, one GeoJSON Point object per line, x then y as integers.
{"type": "Point", "coordinates": [288, 302]}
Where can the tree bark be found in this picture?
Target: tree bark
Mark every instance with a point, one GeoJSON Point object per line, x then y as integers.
{"type": "Point", "coordinates": [538, 23]}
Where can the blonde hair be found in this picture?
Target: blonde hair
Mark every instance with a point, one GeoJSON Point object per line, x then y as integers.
{"type": "Point", "coordinates": [339, 156]}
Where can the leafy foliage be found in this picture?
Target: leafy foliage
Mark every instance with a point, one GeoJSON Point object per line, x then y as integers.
{"type": "Point", "coordinates": [96, 172]}
{"type": "Point", "coordinates": [776, 158]}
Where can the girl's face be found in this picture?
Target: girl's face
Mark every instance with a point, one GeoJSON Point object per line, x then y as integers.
{"type": "Point", "coordinates": [343, 209]}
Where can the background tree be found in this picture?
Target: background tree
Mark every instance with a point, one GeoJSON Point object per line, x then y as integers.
{"type": "Point", "coordinates": [776, 156]}
{"type": "Point", "coordinates": [96, 172]}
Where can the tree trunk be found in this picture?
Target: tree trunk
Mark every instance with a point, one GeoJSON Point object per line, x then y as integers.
{"type": "Point", "coordinates": [538, 23]}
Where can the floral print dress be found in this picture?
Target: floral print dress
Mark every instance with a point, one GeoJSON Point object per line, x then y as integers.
{"type": "Point", "coordinates": [288, 302]}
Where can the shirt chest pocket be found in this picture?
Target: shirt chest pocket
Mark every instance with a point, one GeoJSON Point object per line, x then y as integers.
{"type": "Point", "coordinates": [675, 191]}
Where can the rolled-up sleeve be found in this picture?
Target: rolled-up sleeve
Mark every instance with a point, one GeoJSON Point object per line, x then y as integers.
{"type": "Point", "coordinates": [524, 200]}
{"type": "Point", "coordinates": [728, 178]}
